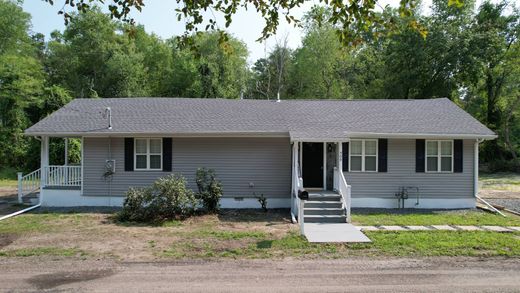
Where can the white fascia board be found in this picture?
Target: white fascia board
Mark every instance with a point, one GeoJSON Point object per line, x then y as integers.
{"type": "Point", "coordinates": [421, 135]}
{"type": "Point", "coordinates": [336, 139]}
{"type": "Point", "coordinates": [149, 134]}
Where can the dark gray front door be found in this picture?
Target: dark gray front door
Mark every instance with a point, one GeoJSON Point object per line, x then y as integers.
{"type": "Point", "coordinates": [312, 164]}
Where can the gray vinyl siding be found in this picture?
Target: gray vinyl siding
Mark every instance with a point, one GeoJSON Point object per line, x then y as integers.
{"type": "Point", "coordinates": [401, 172]}
{"type": "Point", "coordinates": [264, 162]}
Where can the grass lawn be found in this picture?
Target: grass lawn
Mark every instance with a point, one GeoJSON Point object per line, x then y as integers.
{"type": "Point", "coordinates": [8, 183]}
{"type": "Point", "coordinates": [232, 234]}
{"type": "Point", "coordinates": [500, 181]}
{"type": "Point", "coordinates": [458, 217]}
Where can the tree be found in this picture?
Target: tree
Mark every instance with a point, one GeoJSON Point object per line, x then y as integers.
{"type": "Point", "coordinates": [94, 57]}
{"type": "Point", "coordinates": [350, 19]}
{"type": "Point", "coordinates": [21, 81]}
{"type": "Point", "coordinates": [214, 70]}
{"type": "Point", "coordinates": [493, 58]}
{"type": "Point", "coordinates": [317, 63]}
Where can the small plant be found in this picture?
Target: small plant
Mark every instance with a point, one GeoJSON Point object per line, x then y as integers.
{"type": "Point", "coordinates": [263, 202]}
{"type": "Point", "coordinates": [210, 189]}
{"type": "Point", "coordinates": [168, 198]}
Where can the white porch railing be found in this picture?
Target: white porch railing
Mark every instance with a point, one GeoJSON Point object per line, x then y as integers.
{"type": "Point", "coordinates": [62, 176]}
{"type": "Point", "coordinates": [28, 184]}
{"type": "Point", "coordinates": [341, 186]}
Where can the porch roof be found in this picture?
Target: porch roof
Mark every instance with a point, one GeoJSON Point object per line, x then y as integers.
{"type": "Point", "coordinates": [332, 120]}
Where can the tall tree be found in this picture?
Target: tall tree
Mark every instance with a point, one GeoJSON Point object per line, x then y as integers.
{"type": "Point", "coordinates": [318, 62]}
{"type": "Point", "coordinates": [94, 57]}
{"type": "Point", "coordinates": [214, 70]}
{"type": "Point", "coordinates": [493, 58]}
{"type": "Point", "coordinates": [21, 82]}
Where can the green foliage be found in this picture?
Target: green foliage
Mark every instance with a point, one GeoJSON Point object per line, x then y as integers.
{"type": "Point", "coordinates": [209, 189]}
{"type": "Point", "coordinates": [168, 198]}
{"type": "Point", "coordinates": [351, 20]}
{"type": "Point", "coordinates": [263, 202]}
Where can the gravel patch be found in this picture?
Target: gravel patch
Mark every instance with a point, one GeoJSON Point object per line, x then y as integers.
{"type": "Point", "coordinates": [512, 204]}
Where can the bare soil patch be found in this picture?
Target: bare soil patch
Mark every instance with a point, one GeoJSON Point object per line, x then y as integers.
{"type": "Point", "coordinates": [52, 280]}
{"type": "Point", "coordinates": [98, 233]}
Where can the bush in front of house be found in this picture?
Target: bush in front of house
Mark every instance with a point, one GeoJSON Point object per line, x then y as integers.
{"type": "Point", "coordinates": [168, 198]}
{"type": "Point", "coordinates": [210, 189]}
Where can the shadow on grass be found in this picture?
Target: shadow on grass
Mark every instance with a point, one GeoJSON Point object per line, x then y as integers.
{"type": "Point", "coordinates": [264, 244]}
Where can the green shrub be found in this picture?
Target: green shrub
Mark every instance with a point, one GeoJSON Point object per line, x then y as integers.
{"type": "Point", "coordinates": [500, 165]}
{"type": "Point", "coordinates": [210, 189]}
{"type": "Point", "coordinates": [168, 198]}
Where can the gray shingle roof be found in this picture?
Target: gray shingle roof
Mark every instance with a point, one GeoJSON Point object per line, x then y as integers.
{"type": "Point", "coordinates": [301, 119]}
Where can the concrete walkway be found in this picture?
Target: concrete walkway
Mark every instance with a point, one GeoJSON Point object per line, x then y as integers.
{"type": "Point", "coordinates": [440, 228]}
{"type": "Point", "coordinates": [334, 232]}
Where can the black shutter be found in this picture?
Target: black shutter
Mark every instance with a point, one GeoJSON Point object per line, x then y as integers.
{"type": "Point", "coordinates": [345, 157]}
{"type": "Point", "coordinates": [129, 154]}
{"type": "Point", "coordinates": [382, 146]}
{"type": "Point", "coordinates": [419, 155]}
{"type": "Point", "coordinates": [457, 156]}
{"type": "Point", "coordinates": [167, 154]}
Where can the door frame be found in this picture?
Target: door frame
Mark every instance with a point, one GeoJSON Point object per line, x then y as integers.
{"type": "Point", "coordinates": [324, 159]}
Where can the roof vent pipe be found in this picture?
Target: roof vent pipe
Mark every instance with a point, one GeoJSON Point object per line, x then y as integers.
{"type": "Point", "coordinates": [108, 114]}
{"type": "Point", "coordinates": [278, 97]}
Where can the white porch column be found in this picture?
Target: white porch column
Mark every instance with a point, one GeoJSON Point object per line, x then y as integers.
{"type": "Point", "coordinates": [44, 159]}
{"type": "Point", "coordinates": [66, 151]}
{"type": "Point", "coordinates": [340, 156]}
{"type": "Point", "coordinates": [475, 168]}
{"type": "Point", "coordinates": [294, 166]}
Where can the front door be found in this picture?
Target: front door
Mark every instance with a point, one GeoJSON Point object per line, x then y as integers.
{"type": "Point", "coordinates": [312, 164]}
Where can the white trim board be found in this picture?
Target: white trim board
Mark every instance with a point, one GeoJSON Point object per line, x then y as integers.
{"type": "Point", "coordinates": [73, 198]}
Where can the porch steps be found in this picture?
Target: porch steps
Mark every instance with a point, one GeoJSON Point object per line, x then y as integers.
{"type": "Point", "coordinates": [31, 198]}
{"type": "Point", "coordinates": [324, 207]}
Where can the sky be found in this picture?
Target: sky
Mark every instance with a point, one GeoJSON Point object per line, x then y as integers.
{"type": "Point", "coordinates": [159, 17]}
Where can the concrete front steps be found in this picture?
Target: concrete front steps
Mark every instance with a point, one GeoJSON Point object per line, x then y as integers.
{"type": "Point", "coordinates": [324, 207]}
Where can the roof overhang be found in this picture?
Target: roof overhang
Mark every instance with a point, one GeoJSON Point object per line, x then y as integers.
{"type": "Point", "coordinates": [294, 136]}
{"type": "Point", "coordinates": [158, 134]}
{"type": "Point", "coordinates": [421, 135]}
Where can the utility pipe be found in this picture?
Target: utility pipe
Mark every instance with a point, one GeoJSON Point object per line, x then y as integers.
{"type": "Point", "coordinates": [20, 212]}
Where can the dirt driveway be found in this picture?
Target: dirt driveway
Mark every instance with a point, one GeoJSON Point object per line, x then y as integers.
{"type": "Point", "coordinates": [358, 275]}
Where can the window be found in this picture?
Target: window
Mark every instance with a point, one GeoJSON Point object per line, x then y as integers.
{"type": "Point", "coordinates": [439, 156]}
{"type": "Point", "coordinates": [363, 155]}
{"type": "Point", "coordinates": [148, 154]}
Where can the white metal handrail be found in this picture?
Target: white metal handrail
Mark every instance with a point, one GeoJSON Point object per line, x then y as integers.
{"type": "Point", "coordinates": [66, 176]}
{"type": "Point", "coordinates": [29, 183]}
{"type": "Point", "coordinates": [341, 186]}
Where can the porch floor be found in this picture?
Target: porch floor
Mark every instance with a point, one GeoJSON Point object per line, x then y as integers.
{"type": "Point", "coordinates": [334, 232]}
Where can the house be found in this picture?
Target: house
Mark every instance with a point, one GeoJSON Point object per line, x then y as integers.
{"type": "Point", "coordinates": [359, 153]}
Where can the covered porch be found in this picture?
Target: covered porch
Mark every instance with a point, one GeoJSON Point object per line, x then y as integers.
{"type": "Point", "coordinates": [321, 197]}
{"type": "Point", "coordinates": [66, 176]}
{"type": "Point", "coordinates": [317, 172]}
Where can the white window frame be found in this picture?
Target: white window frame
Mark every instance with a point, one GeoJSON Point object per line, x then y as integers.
{"type": "Point", "coordinates": [363, 155]}
{"type": "Point", "coordinates": [148, 154]}
{"type": "Point", "coordinates": [439, 155]}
